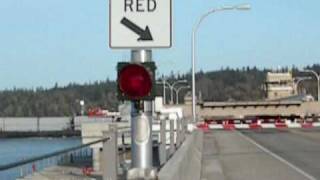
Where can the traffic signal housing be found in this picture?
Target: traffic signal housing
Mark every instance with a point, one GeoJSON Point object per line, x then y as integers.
{"type": "Point", "coordinates": [136, 81]}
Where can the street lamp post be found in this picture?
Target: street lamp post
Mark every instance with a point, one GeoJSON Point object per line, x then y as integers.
{"type": "Point", "coordinates": [318, 80]}
{"type": "Point", "coordinates": [195, 29]}
{"type": "Point", "coordinates": [164, 90]}
{"type": "Point", "coordinates": [177, 92]}
{"type": "Point", "coordinates": [299, 80]}
{"type": "Point", "coordinates": [171, 88]}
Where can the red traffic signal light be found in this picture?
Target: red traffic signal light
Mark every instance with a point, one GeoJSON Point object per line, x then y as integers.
{"type": "Point", "coordinates": [136, 81]}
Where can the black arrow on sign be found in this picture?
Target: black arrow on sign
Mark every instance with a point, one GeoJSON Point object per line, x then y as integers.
{"type": "Point", "coordinates": [144, 34]}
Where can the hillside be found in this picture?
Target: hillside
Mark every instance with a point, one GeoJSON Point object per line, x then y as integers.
{"type": "Point", "coordinates": [221, 85]}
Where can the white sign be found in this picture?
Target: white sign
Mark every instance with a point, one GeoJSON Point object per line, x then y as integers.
{"type": "Point", "coordinates": [140, 24]}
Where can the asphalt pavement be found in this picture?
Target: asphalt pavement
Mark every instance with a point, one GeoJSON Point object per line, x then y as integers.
{"type": "Point", "coordinates": [300, 147]}
{"type": "Point", "coordinates": [262, 154]}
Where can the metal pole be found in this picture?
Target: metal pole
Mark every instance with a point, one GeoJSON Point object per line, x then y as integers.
{"type": "Point", "coordinates": [171, 93]}
{"type": "Point", "coordinates": [178, 132]}
{"type": "Point", "coordinates": [177, 92]}
{"type": "Point", "coordinates": [318, 85]}
{"type": "Point", "coordinates": [141, 123]}
{"type": "Point", "coordinates": [318, 81]}
{"type": "Point", "coordinates": [193, 76]}
{"type": "Point", "coordinates": [177, 96]}
{"type": "Point", "coordinates": [164, 91]}
{"type": "Point", "coordinates": [300, 81]}
{"type": "Point", "coordinates": [171, 148]}
{"type": "Point", "coordinates": [297, 85]}
{"type": "Point", "coordinates": [162, 147]}
{"type": "Point", "coordinates": [171, 87]}
{"type": "Point", "coordinates": [183, 128]}
{"type": "Point", "coordinates": [193, 42]}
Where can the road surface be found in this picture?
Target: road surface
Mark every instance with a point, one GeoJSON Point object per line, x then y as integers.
{"type": "Point", "coordinates": [300, 147]}
{"type": "Point", "coordinates": [263, 154]}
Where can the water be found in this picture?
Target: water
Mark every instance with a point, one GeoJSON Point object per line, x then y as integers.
{"type": "Point", "coordinates": [12, 150]}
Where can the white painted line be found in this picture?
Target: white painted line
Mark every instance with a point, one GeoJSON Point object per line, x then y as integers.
{"type": "Point", "coordinates": [310, 177]}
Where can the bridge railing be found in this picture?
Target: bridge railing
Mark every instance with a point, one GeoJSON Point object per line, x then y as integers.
{"type": "Point", "coordinates": [171, 135]}
{"type": "Point", "coordinates": [81, 153]}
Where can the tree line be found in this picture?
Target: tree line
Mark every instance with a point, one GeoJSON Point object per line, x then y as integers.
{"type": "Point", "coordinates": [226, 84]}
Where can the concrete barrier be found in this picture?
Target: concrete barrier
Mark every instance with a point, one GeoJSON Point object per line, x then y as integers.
{"type": "Point", "coordinates": [185, 164]}
{"type": "Point", "coordinates": [34, 124]}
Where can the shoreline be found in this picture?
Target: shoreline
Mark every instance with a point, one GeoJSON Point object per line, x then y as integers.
{"type": "Point", "coordinates": [24, 134]}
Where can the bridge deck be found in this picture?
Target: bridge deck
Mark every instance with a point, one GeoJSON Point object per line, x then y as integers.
{"type": "Point", "coordinates": [230, 155]}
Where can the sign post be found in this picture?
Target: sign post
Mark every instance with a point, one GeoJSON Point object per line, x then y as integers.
{"type": "Point", "coordinates": [141, 130]}
{"type": "Point", "coordinates": [140, 25]}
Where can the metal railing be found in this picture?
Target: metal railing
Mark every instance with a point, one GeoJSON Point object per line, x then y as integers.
{"type": "Point", "coordinates": [174, 134]}
{"type": "Point", "coordinates": [170, 136]}
{"type": "Point", "coordinates": [78, 154]}
{"type": "Point", "coordinates": [49, 155]}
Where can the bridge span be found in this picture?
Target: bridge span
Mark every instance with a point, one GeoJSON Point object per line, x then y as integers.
{"type": "Point", "coordinates": [253, 109]}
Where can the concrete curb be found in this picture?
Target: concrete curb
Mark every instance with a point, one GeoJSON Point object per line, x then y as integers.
{"type": "Point", "coordinates": [186, 162]}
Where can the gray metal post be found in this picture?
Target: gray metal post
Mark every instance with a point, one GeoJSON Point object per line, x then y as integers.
{"type": "Point", "coordinates": [183, 129]}
{"type": "Point", "coordinates": [178, 132]}
{"type": "Point", "coordinates": [164, 91]}
{"type": "Point", "coordinates": [171, 94]}
{"type": "Point", "coordinates": [110, 154]}
{"type": "Point", "coordinates": [193, 44]}
{"type": "Point", "coordinates": [194, 74]}
{"type": "Point", "coordinates": [177, 96]}
{"type": "Point", "coordinates": [141, 126]}
{"type": "Point", "coordinates": [123, 148]}
{"type": "Point", "coordinates": [171, 150]}
{"type": "Point", "coordinates": [162, 148]}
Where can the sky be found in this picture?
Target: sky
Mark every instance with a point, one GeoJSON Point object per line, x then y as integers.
{"type": "Point", "coordinates": [43, 42]}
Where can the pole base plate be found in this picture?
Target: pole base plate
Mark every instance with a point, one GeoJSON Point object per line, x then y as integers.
{"type": "Point", "coordinates": [138, 173]}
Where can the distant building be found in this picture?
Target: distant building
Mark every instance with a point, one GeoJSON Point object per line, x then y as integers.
{"type": "Point", "coordinates": [279, 85]}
